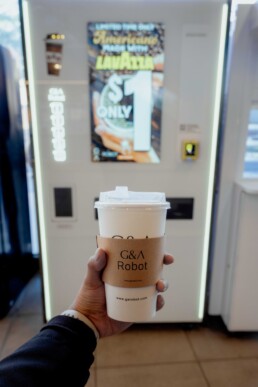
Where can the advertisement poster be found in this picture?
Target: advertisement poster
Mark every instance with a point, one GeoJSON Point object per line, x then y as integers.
{"type": "Point", "coordinates": [126, 62]}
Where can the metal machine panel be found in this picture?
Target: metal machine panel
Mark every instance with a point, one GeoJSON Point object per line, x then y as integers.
{"type": "Point", "coordinates": [194, 38]}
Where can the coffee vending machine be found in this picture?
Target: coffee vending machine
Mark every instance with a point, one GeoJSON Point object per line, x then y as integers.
{"type": "Point", "coordinates": [124, 93]}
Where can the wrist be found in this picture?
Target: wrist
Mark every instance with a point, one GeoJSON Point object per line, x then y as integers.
{"type": "Point", "coordinates": [79, 316]}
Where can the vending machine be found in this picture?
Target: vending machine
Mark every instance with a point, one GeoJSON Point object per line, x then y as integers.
{"type": "Point", "coordinates": [235, 263]}
{"type": "Point", "coordinates": [124, 93]}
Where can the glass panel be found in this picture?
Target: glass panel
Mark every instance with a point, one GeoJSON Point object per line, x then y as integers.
{"type": "Point", "coordinates": [251, 150]}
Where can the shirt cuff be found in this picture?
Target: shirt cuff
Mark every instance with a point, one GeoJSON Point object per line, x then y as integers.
{"type": "Point", "coordinates": [79, 316]}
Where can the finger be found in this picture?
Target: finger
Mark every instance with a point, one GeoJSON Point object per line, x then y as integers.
{"type": "Point", "coordinates": [162, 286]}
{"type": "Point", "coordinates": [168, 259]}
{"type": "Point", "coordinates": [96, 264]}
{"type": "Point", "coordinates": [160, 302]}
{"type": "Point", "coordinates": [108, 136]}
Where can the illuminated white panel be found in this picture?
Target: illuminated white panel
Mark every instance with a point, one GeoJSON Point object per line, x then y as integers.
{"type": "Point", "coordinates": [38, 167]}
{"type": "Point", "coordinates": [213, 158]}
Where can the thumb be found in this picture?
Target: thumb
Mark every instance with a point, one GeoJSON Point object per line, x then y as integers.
{"type": "Point", "coordinates": [96, 264]}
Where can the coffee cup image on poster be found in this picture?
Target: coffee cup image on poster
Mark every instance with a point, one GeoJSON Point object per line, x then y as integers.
{"type": "Point", "coordinates": [54, 52]}
{"type": "Point", "coordinates": [126, 62]}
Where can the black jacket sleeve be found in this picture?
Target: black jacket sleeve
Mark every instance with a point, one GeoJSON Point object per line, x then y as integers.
{"type": "Point", "coordinates": [59, 355]}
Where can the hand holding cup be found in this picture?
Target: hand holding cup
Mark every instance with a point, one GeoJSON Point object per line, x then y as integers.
{"type": "Point", "coordinates": [91, 300]}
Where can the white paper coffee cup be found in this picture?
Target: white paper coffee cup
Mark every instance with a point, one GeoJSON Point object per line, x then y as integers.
{"type": "Point", "coordinates": [131, 215]}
